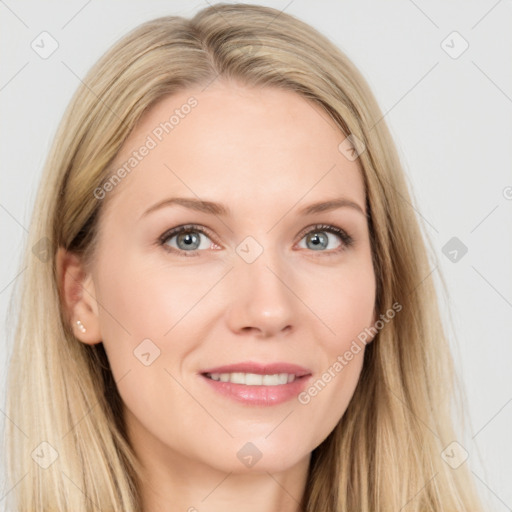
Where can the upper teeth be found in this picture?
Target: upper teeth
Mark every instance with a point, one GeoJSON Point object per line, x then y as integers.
{"type": "Point", "coordinates": [253, 379]}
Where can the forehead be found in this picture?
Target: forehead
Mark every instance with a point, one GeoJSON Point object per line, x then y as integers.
{"type": "Point", "coordinates": [248, 147]}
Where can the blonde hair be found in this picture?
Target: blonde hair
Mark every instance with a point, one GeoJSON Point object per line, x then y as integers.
{"type": "Point", "coordinates": [385, 452]}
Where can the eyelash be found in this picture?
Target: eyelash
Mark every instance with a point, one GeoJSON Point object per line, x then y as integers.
{"type": "Point", "coordinates": [346, 239]}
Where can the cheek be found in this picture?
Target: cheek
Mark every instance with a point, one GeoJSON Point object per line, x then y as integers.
{"type": "Point", "coordinates": [145, 324]}
{"type": "Point", "coordinates": [141, 300]}
{"type": "Point", "coordinates": [345, 302]}
{"type": "Point", "coordinates": [138, 302]}
{"type": "Point", "coordinates": [346, 305]}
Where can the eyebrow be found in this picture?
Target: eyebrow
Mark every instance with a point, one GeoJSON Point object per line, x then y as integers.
{"type": "Point", "coordinates": [213, 208]}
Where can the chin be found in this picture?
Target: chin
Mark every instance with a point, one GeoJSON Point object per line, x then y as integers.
{"type": "Point", "coordinates": [259, 456]}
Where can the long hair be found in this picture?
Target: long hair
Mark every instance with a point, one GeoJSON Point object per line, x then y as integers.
{"type": "Point", "coordinates": [386, 452]}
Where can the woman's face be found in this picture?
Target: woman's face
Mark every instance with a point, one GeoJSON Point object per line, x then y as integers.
{"type": "Point", "coordinates": [253, 285]}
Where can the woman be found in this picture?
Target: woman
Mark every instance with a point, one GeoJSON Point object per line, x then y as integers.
{"type": "Point", "coordinates": [232, 311]}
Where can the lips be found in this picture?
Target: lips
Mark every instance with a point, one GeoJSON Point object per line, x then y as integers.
{"type": "Point", "coordinates": [257, 384]}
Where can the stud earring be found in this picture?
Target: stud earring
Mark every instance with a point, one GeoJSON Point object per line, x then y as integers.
{"type": "Point", "coordinates": [80, 326]}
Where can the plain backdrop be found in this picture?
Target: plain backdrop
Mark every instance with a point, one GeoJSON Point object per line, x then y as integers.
{"type": "Point", "coordinates": [441, 72]}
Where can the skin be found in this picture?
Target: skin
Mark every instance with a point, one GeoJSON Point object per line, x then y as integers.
{"type": "Point", "coordinates": [265, 154]}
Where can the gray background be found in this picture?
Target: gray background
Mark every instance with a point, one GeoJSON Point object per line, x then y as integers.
{"type": "Point", "coordinates": [450, 117]}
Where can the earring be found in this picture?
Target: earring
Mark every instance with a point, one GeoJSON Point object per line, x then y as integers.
{"type": "Point", "coordinates": [80, 326]}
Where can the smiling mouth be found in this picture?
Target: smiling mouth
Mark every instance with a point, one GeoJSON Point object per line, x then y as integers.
{"type": "Point", "coordinates": [257, 384]}
{"type": "Point", "coordinates": [253, 379]}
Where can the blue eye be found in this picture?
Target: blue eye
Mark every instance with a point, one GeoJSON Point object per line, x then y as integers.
{"type": "Point", "coordinates": [189, 239]}
{"type": "Point", "coordinates": [186, 239]}
{"type": "Point", "coordinates": [320, 236]}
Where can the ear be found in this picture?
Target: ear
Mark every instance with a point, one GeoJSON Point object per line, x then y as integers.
{"type": "Point", "coordinates": [78, 297]}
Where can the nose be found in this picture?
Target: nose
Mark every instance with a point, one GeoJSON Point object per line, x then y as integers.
{"type": "Point", "coordinates": [262, 302]}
